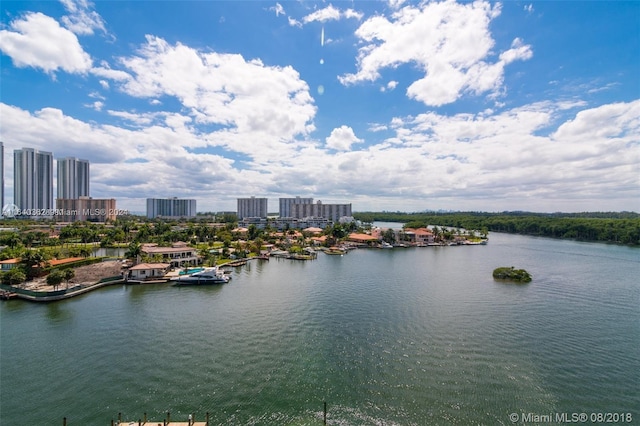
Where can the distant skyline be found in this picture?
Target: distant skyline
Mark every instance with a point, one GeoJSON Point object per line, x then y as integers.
{"type": "Point", "coordinates": [396, 105]}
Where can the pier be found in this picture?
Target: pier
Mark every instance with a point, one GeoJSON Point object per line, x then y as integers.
{"type": "Point", "coordinates": [191, 421]}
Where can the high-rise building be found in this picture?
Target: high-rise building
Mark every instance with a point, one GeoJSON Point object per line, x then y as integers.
{"type": "Point", "coordinates": [73, 178]}
{"type": "Point", "coordinates": [86, 208]}
{"type": "Point", "coordinates": [170, 208]}
{"type": "Point", "coordinates": [252, 207]}
{"type": "Point", "coordinates": [1, 174]}
{"type": "Point", "coordinates": [286, 203]}
{"type": "Point", "coordinates": [332, 212]}
{"type": "Point", "coordinates": [32, 179]}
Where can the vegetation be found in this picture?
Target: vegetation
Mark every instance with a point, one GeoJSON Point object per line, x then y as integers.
{"type": "Point", "coordinates": [217, 238]}
{"type": "Point", "coordinates": [55, 278]}
{"type": "Point", "coordinates": [512, 274]}
{"type": "Point", "coordinates": [621, 228]}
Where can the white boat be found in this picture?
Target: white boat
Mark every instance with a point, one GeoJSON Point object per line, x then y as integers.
{"type": "Point", "coordinates": [207, 277]}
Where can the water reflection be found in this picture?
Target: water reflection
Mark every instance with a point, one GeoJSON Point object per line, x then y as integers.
{"type": "Point", "coordinates": [58, 312]}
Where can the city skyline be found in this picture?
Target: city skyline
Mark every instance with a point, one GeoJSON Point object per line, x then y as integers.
{"type": "Point", "coordinates": [397, 105]}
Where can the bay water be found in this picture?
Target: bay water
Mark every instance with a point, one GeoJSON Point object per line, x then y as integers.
{"type": "Point", "coordinates": [405, 336]}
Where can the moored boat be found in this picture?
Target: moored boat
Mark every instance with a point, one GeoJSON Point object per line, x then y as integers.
{"type": "Point", "coordinates": [209, 276]}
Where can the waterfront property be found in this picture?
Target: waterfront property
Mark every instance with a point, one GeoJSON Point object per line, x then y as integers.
{"type": "Point", "coordinates": [148, 271]}
{"type": "Point", "coordinates": [8, 264]}
{"type": "Point", "coordinates": [179, 254]}
{"type": "Point", "coordinates": [420, 236]}
{"type": "Point", "coordinates": [362, 239]}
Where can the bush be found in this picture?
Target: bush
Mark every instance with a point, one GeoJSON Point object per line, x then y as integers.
{"type": "Point", "coordinates": [512, 274]}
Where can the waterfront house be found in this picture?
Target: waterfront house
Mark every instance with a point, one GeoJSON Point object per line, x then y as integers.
{"type": "Point", "coordinates": [420, 236]}
{"type": "Point", "coordinates": [362, 239]}
{"type": "Point", "coordinates": [179, 254]}
{"type": "Point", "coordinates": [148, 271]}
{"type": "Point", "coordinates": [8, 264]}
{"type": "Point", "coordinates": [312, 230]}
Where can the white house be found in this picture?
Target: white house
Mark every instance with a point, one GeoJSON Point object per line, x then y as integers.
{"type": "Point", "coordinates": [147, 271]}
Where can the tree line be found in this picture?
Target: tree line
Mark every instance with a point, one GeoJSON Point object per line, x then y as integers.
{"type": "Point", "coordinates": [614, 227]}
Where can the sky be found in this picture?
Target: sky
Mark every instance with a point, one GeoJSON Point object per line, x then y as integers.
{"type": "Point", "coordinates": [387, 105]}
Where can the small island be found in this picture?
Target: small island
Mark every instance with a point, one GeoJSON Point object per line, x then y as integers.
{"type": "Point", "coordinates": [512, 274]}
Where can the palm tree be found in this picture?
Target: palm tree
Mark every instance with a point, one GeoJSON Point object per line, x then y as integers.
{"type": "Point", "coordinates": [68, 274]}
{"type": "Point", "coordinates": [33, 261]}
{"type": "Point", "coordinates": [133, 252]}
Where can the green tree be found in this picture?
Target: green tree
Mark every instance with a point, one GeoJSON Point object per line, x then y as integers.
{"type": "Point", "coordinates": [69, 273]}
{"type": "Point", "coordinates": [389, 236]}
{"type": "Point", "coordinates": [85, 251]}
{"type": "Point", "coordinates": [33, 261]}
{"type": "Point", "coordinates": [133, 252]}
{"type": "Point", "coordinates": [14, 276]}
{"type": "Point", "coordinates": [54, 278]}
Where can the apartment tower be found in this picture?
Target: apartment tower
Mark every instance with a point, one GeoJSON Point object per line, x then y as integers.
{"type": "Point", "coordinates": [252, 207]}
{"type": "Point", "coordinates": [170, 208]}
{"type": "Point", "coordinates": [1, 175]}
{"type": "Point", "coordinates": [286, 203]}
{"type": "Point", "coordinates": [73, 178]}
{"type": "Point", "coordinates": [33, 179]}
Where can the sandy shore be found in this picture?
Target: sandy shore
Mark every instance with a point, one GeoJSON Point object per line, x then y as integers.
{"type": "Point", "coordinates": [84, 275]}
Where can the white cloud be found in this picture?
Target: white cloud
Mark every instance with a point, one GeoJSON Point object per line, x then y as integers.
{"type": "Point", "coordinates": [104, 84]}
{"type": "Point", "coordinates": [106, 72]}
{"type": "Point", "coordinates": [97, 105]}
{"type": "Point", "coordinates": [256, 107]}
{"type": "Point", "coordinates": [511, 158]}
{"type": "Point", "coordinates": [342, 138]}
{"type": "Point", "coordinates": [395, 4]}
{"type": "Point", "coordinates": [278, 9]}
{"type": "Point", "coordinates": [331, 13]}
{"type": "Point", "coordinates": [38, 41]}
{"type": "Point", "coordinates": [375, 127]}
{"type": "Point", "coordinates": [294, 22]}
{"type": "Point", "coordinates": [528, 8]}
{"type": "Point", "coordinates": [350, 13]}
{"type": "Point", "coordinates": [82, 20]}
{"type": "Point", "coordinates": [449, 41]}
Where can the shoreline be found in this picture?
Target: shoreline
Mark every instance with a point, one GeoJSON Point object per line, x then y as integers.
{"type": "Point", "coordinates": [9, 292]}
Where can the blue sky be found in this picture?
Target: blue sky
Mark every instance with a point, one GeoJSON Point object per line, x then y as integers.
{"type": "Point", "coordinates": [392, 105]}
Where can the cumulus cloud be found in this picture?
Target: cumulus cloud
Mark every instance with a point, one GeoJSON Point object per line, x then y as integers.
{"type": "Point", "coordinates": [449, 41]}
{"type": "Point", "coordinates": [342, 138]}
{"type": "Point", "coordinates": [81, 19]}
{"type": "Point", "coordinates": [536, 150]}
{"type": "Point", "coordinates": [255, 107]}
{"type": "Point", "coordinates": [331, 13]}
{"type": "Point", "coordinates": [97, 105]}
{"type": "Point", "coordinates": [37, 40]}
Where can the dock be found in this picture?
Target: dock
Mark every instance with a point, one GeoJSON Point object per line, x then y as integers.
{"type": "Point", "coordinates": [165, 422]}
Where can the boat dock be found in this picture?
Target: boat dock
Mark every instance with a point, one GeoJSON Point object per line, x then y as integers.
{"type": "Point", "coordinates": [163, 423]}
{"type": "Point", "coordinates": [191, 421]}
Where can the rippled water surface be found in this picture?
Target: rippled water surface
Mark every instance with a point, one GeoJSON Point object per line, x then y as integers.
{"type": "Point", "coordinates": [395, 337]}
